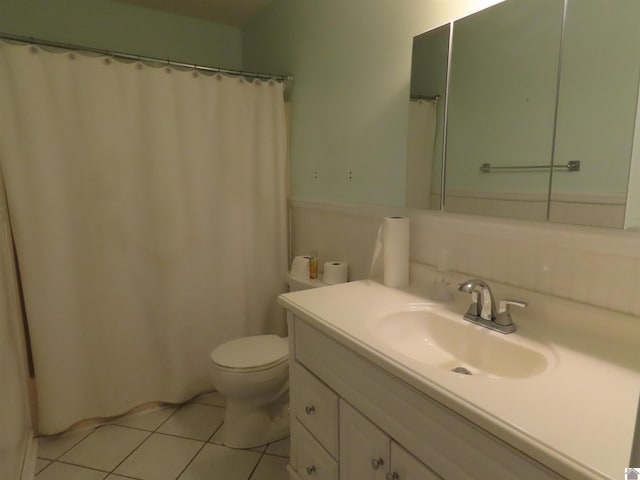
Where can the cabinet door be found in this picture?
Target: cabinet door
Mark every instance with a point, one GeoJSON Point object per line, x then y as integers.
{"type": "Point", "coordinates": [405, 466]}
{"type": "Point", "coordinates": [313, 461]}
{"type": "Point", "coordinates": [364, 448]}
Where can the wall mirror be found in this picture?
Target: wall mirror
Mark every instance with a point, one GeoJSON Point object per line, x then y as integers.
{"type": "Point", "coordinates": [540, 113]}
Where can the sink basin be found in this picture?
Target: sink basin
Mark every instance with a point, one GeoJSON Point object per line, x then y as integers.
{"type": "Point", "coordinates": [425, 336]}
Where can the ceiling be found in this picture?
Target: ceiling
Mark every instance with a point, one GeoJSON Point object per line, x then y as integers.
{"type": "Point", "coordinates": [229, 12]}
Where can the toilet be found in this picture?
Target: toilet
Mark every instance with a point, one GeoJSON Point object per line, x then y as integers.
{"type": "Point", "coordinates": [252, 373]}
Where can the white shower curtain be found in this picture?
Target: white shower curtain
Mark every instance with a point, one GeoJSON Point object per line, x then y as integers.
{"type": "Point", "coordinates": [15, 418]}
{"type": "Point", "coordinates": [149, 213]}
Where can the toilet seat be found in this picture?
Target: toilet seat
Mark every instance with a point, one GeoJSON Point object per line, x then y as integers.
{"type": "Point", "coordinates": [251, 354]}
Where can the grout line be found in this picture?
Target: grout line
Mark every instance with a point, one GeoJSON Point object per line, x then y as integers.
{"type": "Point", "coordinates": [138, 429]}
{"type": "Point", "coordinates": [81, 466]}
{"type": "Point", "coordinates": [124, 476]}
{"type": "Point", "coordinates": [206, 442]}
{"type": "Point", "coordinates": [276, 455]}
{"type": "Point", "coordinates": [71, 447]}
{"type": "Point", "coordinates": [214, 434]}
{"type": "Point", "coordinates": [167, 419]}
{"type": "Point", "coordinates": [130, 453]}
{"type": "Point", "coordinates": [174, 435]}
{"type": "Point", "coordinates": [191, 461]}
{"type": "Point", "coordinates": [45, 467]}
{"type": "Point", "coordinates": [255, 467]}
{"type": "Point", "coordinates": [196, 402]}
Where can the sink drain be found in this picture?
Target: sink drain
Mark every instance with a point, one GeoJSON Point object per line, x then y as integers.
{"type": "Point", "coordinates": [461, 370]}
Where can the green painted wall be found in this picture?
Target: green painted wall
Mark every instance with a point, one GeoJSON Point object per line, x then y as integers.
{"type": "Point", "coordinates": [121, 27]}
{"type": "Point", "coordinates": [349, 112]}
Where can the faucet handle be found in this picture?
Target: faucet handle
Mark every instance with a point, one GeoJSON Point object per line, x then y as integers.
{"type": "Point", "coordinates": [504, 313]}
{"type": "Point", "coordinates": [505, 304]}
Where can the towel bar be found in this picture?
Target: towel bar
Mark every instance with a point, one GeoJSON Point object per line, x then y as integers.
{"type": "Point", "coordinates": [572, 166]}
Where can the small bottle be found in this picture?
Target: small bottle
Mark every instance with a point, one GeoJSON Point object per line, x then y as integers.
{"type": "Point", "coordinates": [313, 265]}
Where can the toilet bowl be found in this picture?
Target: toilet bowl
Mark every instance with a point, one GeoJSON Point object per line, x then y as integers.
{"type": "Point", "coordinates": [252, 373]}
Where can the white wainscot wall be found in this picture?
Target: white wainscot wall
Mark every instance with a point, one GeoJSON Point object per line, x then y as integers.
{"type": "Point", "coordinates": [596, 266]}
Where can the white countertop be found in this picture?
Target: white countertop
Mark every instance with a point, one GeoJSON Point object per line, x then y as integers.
{"type": "Point", "coordinates": [577, 417]}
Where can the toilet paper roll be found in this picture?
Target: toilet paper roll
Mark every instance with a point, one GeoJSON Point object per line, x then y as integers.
{"type": "Point", "coordinates": [300, 267]}
{"type": "Point", "coordinates": [335, 272]}
{"type": "Point", "coordinates": [395, 243]}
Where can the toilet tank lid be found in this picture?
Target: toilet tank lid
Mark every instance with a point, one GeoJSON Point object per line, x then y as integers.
{"type": "Point", "coordinates": [301, 283]}
{"type": "Point", "coordinates": [251, 352]}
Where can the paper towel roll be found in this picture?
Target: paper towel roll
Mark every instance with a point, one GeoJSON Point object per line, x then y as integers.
{"type": "Point", "coordinates": [395, 243]}
{"type": "Point", "coordinates": [335, 272]}
{"type": "Point", "coordinates": [300, 267]}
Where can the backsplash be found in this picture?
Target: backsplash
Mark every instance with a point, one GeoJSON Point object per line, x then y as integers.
{"type": "Point", "coordinates": [596, 266]}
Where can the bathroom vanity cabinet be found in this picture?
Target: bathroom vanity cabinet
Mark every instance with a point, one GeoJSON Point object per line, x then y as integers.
{"type": "Point", "coordinates": [353, 420]}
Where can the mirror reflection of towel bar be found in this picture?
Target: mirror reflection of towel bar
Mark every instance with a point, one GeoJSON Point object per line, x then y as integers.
{"type": "Point", "coordinates": [572, 166]}
{"type": "Point", "coordinates": [432, 98]}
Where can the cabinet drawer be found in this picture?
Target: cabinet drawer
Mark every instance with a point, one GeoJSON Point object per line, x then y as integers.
{"type": "Point", "coordinates": [316, 406]}
{"type": "Point", "coordinates": [313, 460]}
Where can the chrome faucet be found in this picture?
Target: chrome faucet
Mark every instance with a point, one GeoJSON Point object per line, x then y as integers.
{"type": "Point", "coordinates": [483, 311]}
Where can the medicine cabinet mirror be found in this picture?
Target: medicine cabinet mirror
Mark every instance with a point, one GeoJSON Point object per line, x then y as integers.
{"type": "Point", "coordinates": [537, 117]}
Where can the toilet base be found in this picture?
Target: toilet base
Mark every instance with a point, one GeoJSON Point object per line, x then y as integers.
{"type": "Point", "coordinates": [248, 427]}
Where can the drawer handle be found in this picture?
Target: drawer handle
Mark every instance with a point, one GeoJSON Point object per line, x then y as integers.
{"type": "Point", "coordinates": [393, 476]}
{"type": "Point", "coordinates": [376, 463]}
{"type": "Point", "coordinates": [311, 470]}
{"type": "Point", "coordinates": [309, 409]}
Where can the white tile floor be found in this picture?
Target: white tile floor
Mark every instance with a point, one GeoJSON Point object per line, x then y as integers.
{"type": "Point", "coordinates": [167, 443]}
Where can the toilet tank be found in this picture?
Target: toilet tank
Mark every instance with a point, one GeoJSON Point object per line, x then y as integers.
{"type": "Point", "coordinates": [299, 283]}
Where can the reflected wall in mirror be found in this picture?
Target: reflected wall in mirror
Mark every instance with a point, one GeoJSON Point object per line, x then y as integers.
{"type": "Point", "coordinates": [542, 83]}
{"type": "Point", "coordinates": [597, 104]}
{"type": "Point", "coordinates": [502, 97]}
{"type": "Point", "coordinates": [425, 139]}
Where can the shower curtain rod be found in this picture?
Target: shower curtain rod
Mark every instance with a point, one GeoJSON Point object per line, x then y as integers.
{"type": "Point", "coordinates": [128, 56]}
